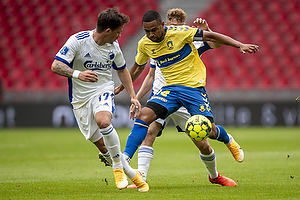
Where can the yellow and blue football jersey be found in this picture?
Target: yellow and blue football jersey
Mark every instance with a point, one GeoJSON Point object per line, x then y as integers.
{"type": "Point", "coordinates": [176, 56]}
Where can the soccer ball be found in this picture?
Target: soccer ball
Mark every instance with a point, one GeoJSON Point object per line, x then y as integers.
{"type": "Point", "coordinates": [198, 127]}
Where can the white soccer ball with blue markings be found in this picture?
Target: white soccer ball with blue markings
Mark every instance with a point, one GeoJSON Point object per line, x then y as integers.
{"type": "Point", "coordinates": [198, 127]}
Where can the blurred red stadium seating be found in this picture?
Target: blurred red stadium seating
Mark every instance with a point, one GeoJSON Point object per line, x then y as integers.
{"type": "Point", "coordinates": [270, 24]}
{"type": "Point", "coordinates": [33, 31]}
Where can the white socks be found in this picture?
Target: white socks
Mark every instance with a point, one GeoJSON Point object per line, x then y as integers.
{"type": "Point", "coordinates": [127, 169]}
{"type": "Point", "coordinates": [145, 156]}
{"type": "Point", "coordinates": [210, 163]}
{"type": "Point", "coordinates": [112, 143]}
{"type": "Point", "coordinates": [107, 157]}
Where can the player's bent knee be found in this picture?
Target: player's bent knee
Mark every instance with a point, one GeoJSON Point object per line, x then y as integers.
{"type": "Point", "coordinates": [203, 146]}
{"type": "Point", "coordinates": [213, 133]}
{"type": "Point", "coordinates": [147, 115]}
{"type": "Point", "coordinates": [103, 124]}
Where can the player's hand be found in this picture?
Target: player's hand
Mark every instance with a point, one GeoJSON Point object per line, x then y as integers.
{"type": "Point", "coordinates": [119, 89]}
{"type": "Point", "coordinates": [88, 76]}
{"type": "Point", "coordinates": [250, 48]}
{"type": "Point", "coordinates": [135, 109]}
{"type": "Point", "coordinates": [201, 24]}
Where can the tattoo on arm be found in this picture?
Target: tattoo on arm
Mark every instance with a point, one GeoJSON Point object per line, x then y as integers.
{"type": "Point", "coordinates": [62, 69]}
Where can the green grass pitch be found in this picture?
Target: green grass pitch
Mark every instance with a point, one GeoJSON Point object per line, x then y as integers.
{"type": "Point", "coordinates": [59, 164]}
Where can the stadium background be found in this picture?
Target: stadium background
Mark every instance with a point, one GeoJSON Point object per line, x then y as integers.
{"type": "Point", "coordinates": [261, 89]}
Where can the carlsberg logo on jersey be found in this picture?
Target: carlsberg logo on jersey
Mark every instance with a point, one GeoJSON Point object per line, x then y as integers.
{"type": "Point", "coordinates": [97, 65]}
{"type": "Point", "coordinates": [91, 65]}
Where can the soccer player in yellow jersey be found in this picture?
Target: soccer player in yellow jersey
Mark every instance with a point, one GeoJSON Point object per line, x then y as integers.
{"type": "Point", "coordinates": [185, 75]}
{"type": "Point", "coordinates": [155, 80]}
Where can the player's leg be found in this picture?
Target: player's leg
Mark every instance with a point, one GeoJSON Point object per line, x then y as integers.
{"type": "Point", "coordinates": [112, 142]}
{"type": "Point", "coordinates": [220, 134]}
{"type": "Point", "coordinates": [140, 129]}
{"type": "Point", "coordinates": [156, 107]}
{"type": "Point", "coordinates": [153, 130]}
{"type": "Point", "coordinates": [179, 118]}
{"type": "Point", "coordinates": [87, 124]}
{"type": "Point", "coordinates": [103, 108]}
{"type": "Point", "coordinates": [207, 153]}
{"type": "Point", "coordinates": [120, 166]}
{"type": "Point", "coordinates": [199, 104]}
{"type": "Point", "coordinates": [208, 156]}
{"type": "Point", "coordinates": [110, 136]}
{"type": "Point", "coordinates": [145, 153]}
{"type": "Point", "coordinates": [104, 155]}
{"type": "Point", "coordinates": [89, 128]}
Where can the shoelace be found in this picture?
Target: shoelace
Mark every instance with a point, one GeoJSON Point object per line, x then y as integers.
{"type": "Point", "coordinates": [119, 176]}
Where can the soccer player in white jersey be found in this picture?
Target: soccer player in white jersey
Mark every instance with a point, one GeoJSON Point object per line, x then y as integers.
{"type": "Point", "coordinates": [87, 59]}
{"type": "Point", "coordinates": [185, 77]}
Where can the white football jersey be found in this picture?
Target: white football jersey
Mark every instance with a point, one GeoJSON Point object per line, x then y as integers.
{"type": "Point", "coordinates": [81, 52]}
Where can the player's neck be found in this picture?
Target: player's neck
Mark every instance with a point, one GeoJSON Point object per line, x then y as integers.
{"type": "Point", "coordinates": [99, 38]}
{"type": "Point", "coordinates": [163, 36]}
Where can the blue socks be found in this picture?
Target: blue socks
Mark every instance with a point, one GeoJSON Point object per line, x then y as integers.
{"type": "Point", "coordinates": [222, 135]}
{"type": "Point", "coordinates": [136, 137]}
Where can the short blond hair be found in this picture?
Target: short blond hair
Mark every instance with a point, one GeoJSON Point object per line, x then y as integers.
{"type": "Point", "coordinates": [176, 13]}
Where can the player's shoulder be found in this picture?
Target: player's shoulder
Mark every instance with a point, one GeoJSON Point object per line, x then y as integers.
{"type": "Point", "coordinates": [182, 28]}
{"type": "Point", "coordinates": [82, 35]}
{"type": "Point", "coordinates": [116, 44]}
{"type": "Point", "coordinates": [180, 32]}
{"type": "Point", "coordinates": [144, 40]}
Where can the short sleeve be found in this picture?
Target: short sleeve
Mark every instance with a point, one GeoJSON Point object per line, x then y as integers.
{"type": "Point", "coordinates": [152, 63]}
{"type": "Point", "coordinates": [141, 58]}
{"type": "Point", "coordinates": [119, 62]}
{"type": "Point", "coordinates": [67, 53]}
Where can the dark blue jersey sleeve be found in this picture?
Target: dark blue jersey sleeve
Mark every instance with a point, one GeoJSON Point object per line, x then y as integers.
{"type": "Point", "coordinates": [203, 48]}
{"type": "Point", "coordinates": [199, 35]}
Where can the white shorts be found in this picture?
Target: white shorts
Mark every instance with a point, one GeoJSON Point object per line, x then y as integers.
{"type": "Point", "coordinates": [179, 118]}
{"type": "Point", "coordinates": [85, 115]}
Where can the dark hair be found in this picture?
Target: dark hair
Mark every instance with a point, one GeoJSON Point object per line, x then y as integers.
{"type": "Point", "coordinates": [111, 18]}
{"type": "Point", "coordinates": [151, 15]}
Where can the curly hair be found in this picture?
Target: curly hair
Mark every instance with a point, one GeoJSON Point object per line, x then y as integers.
{"type": "Point", "coordinates": [176, 13]}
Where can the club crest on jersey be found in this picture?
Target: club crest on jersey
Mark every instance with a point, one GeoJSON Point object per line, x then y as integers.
{"type": "Point", "coordinates": [111, 55]}
{"type": "Point", "coordinates": [170, 45]}
{"type": "Point", "coordinates": [64, 50]}
{"type": "Point", "coordinates": [202, 108]}
{"type": "Point", "coordinates": [89, 64]}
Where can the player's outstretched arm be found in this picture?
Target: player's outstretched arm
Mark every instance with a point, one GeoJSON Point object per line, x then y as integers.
{"type": "Point", "coordinates": [62, 69]}
{"type": "Point", "coordinates": [126, 81]}
{"type": "Point", "coordinates": [203, 24]}
{"type": "Point", "coordinates": [134, 71]}
{"type": "Point", "coordinates": [226, 40]}
{"type": "Point", "coordinates": [147, 84]}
